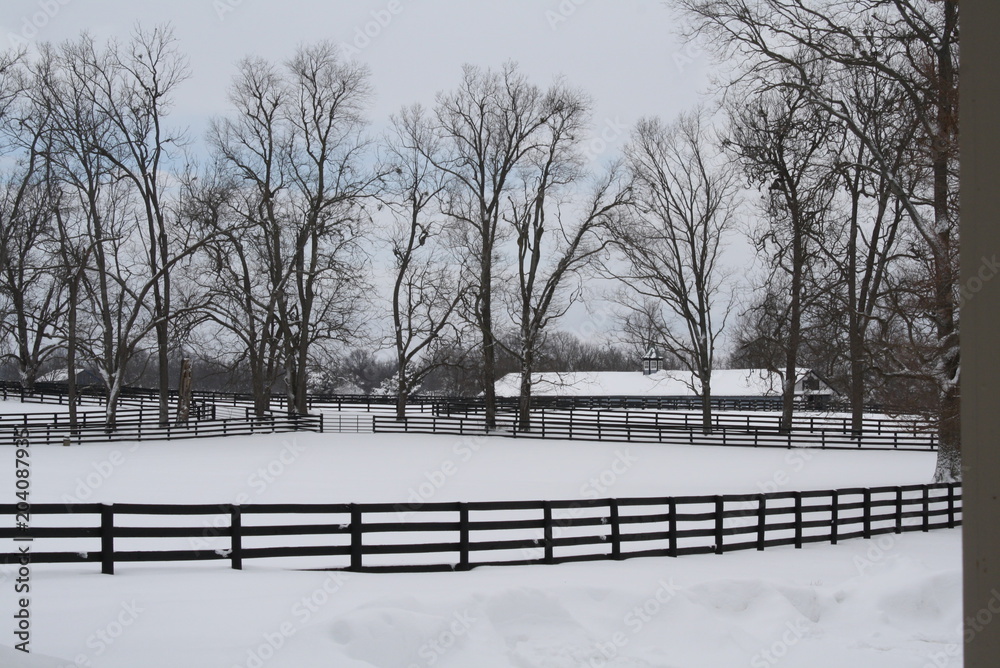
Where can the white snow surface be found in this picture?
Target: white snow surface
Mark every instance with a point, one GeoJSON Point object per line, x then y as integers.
{"type": "Point", "coordinates": [338, 468]}
{"type": "Point", "coordinates": [893, 602]}
{"type": "Point", "coordinates": [11, 407]}
{"type": "Point", "coordinates": [666, 383]}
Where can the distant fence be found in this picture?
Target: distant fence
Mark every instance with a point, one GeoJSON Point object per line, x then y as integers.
{"type": "Point", "coordinates": [556, 421]}
{"type": "Point", "coordinates": [64, 434]}
{"type": "Point", "coordinates": [746, 421]}
{"type": "Point", "coordinates": [577, 427]}
{"type": "Point", "coordinates": [440, 404]}
{"type": "Point", "coordinates": [459, 536]}
{"type": "Point", "coordinates": [644, 402]}
{"type": "Point", "coordinates": [84, 418]}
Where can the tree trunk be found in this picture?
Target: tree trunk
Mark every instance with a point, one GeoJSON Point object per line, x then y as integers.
{"type": "Point", "coordinates": [402, 390]}
{"type": "Point", "coordinates": [949, 462]}
{"type": "Point", "coordinates": [855, 332]}
{"type": "Point", "coordinates": [489, 341]}
{"type": "Point", "coordinates": [111, 409]}
{"type": "Point", "coordinates": [706, 403]}
{"type": "Point", "coordinates": [71, 353]}
{"type": "Point", "coordinates": [524, 394]}
{"type": "Point", "coordinates": [794, 340]}
{"type": "Point", "coordinates": [184, 392]}
{"type": "Point", "coordinates": [163, 360]}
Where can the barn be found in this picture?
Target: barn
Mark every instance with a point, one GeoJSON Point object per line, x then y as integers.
{"type": "Point", "coordinates": [729, 386]}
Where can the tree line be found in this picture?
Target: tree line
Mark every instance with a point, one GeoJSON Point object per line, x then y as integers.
{"type": "Point", "coordinates": [831, 145]}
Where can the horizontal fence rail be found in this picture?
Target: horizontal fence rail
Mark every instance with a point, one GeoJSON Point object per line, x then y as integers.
{"type": "Point", "coordinates": [646, 431]}
{"type": "Point", "coordinates": [746, 421]}
{"type": "Point", "coordinates": [459, 536]}
{"type": "Point", "coordinates": [441, 404]}
{"type": "Point", "coordinates": [360, 413]}
{"type": "Point", "coordinates": [64, 434]}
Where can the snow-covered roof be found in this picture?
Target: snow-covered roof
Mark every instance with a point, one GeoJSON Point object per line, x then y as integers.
{"type": "Point", "coordinates": [725, 383]}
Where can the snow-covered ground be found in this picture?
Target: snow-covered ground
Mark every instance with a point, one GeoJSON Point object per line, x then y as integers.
{"type": "Point", "coordinates": [11, 407]}
{"type": "Point", "coordinates": [890, 602]}
{"type": "Point", "coordinates": [336, 468]}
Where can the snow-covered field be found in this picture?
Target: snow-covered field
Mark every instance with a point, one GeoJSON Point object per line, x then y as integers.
{"type": "Point", "coordinates": [335, 468]}
{"type": "Point", "coordinates": [890, 602]}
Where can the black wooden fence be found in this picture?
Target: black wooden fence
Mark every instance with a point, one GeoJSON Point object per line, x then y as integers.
{"type": "Point", "coordinates": [439, 404]}
{"type": "Point", "coordinates": [582, 427]}
{"type": "Point", "coordinates": [459, 536]}
{"type": "Point", "coordinates": [146, 430]}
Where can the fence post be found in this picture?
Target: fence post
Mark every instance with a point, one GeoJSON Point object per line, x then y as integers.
{"type": "Point", "coordinates": [867, 515]}
{"type": "Point", "coordinates": [798, 520]}
{"type": "Point", "coordinates": [107, 539]}
{"type": "Point", "coordinates": [834, 516]}
{"type": "Point", "coordinates": [720, 507]}
{"type": "Point", "coordinates": [761, 521]}
{"type": "Point", "coordinates": [672, 526]}
{"type": "Point", "coordinates": [463, 537]}
{"type": "Point", "coordinates": [616, 530]}
{"type": "Point", "coordinates": [951, 505]}
{"type": "Point", "coordinates": [236, 537]}
{"type": "Point", "coordinates": [357, 534]}
{"type": "Point", "coordinates": [899, 510]}
{"type": "Point", "coordinates": [926, 509]}
{"type": "Point", "coordinates": [547, 528]}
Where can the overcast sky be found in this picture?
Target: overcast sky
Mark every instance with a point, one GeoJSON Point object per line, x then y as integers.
{"type": "Point", "coordinates": [625, 54]}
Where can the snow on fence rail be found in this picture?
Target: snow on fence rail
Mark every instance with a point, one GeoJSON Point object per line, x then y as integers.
{"type": "Point", "coordinates": [459, 536]}
{"type": "Point", "coordinates": [64, 434]}
{"type": "Point", "coordinates": [645, 431]}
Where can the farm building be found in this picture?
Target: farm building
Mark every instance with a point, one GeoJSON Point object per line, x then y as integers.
{"type": "Point", "coordinates": [727, 384]}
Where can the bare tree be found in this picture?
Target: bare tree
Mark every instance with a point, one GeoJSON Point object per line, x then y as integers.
{"type": "Point", "coordinates": [108, 201]}
{"type": "Point", "coordinates": [130, 87]}
{"type": "Point", "coordinates": [485, 129]}
{"type": "Point", "coordinates": [297, 147]}
{"type": "Point", "coordinates": [783, 144]}
{"type": "Point", "coordinates": [869, 248]}
{"type": "Point", "coordinates": [27, 195]}
{"type": "Point", "coordinates": [684, 208]}
{"type": "Point", "coordinates": [426, 290]}
{"type": "Point", "coordinates": [556, 239]}
{"type": "Point", "coordinates": [912, 44]}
